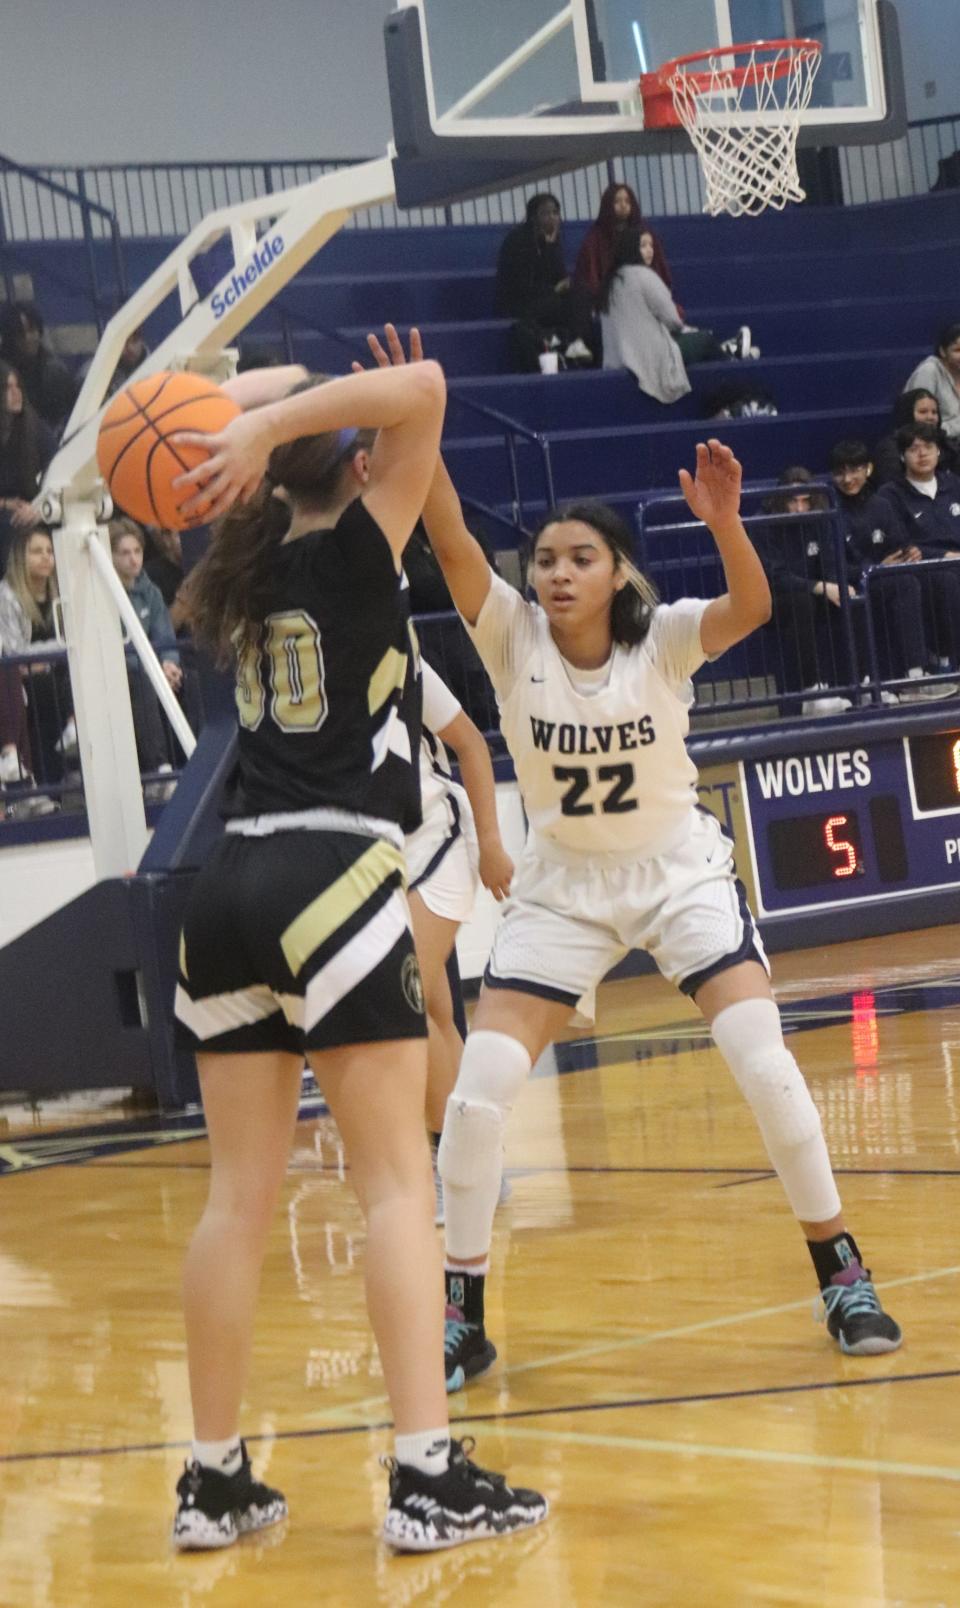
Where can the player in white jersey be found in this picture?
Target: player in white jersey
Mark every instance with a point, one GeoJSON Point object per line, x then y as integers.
{"type": "Point", "coordinates": [594, 690]}
{"type": "Point", "coordinates": [457, 847]}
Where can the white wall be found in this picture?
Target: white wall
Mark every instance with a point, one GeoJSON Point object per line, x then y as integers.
{"type": "Point", "coordinates": [85, 81]}
{"type": "Point", "coordinates": [123, 80]}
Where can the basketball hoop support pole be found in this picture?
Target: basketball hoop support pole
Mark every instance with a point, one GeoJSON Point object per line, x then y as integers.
{"type": "Point", "coordinates": [74, 501]}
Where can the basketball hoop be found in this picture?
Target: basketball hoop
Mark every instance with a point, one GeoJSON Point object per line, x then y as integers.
{"type": "Point", "coordinates": [742, 106]}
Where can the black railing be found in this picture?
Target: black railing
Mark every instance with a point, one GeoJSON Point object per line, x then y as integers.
{"type": "Point", "coordinates": [35, 207]}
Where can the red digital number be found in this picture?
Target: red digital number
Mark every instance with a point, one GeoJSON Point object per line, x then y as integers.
{"type": "Point", "coordinates": [839, 845]}
{"type": "Point", "coordinates": [955, 756]}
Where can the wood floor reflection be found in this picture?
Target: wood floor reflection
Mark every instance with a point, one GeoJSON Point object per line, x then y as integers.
{"type": "Point", "coordinates": [661, 1375]}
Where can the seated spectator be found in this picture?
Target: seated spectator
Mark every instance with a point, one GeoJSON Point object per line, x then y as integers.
{"type": "Point", "coordinates": [940, 374]}
{"type": "Point", "coordinates": [919, 406]}
{"type": "Point", "coordinates": [805, 588]}
{"type": "Point", "coordinates": [47, 383]}
{"type": "Point", "coordinates": [28, 595]}
{"type": "Point", "coordinates": [874, 540]}
{"type": "Point", "coordinates": [643, 330]}
{"type": "Point", "coordinates": [534, 288]}
{"type": "Point", "coordinates": [165, 569]}
{"type": "Point", "coordinates": [26, 447]}
{"type": "Point", "coordinates": [133, 353]}
{"type": "Point", "coordinates": [126, 545]}
{"type": "Point", "coordinates": [925, 502]}
{"type": "Point", "coordinates": [619, 210]}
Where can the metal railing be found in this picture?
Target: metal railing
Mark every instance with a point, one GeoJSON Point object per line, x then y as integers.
{"type": "Point", "coordinates": [36, 207]}
{"type": "Point", "coordinates": [146, 200]}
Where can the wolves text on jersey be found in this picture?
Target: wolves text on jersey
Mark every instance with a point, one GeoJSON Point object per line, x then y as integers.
{"type": "Point", "coordinates": [566, 738]}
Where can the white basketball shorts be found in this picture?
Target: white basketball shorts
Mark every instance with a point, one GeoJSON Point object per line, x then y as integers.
{"type": "Point", "coordinates": [442, 865]}
{"type": "Point", "coordinates": [569, 920]}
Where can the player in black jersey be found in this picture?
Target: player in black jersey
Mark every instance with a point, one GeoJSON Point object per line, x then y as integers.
{"type": "Point", "coordinates": [297, 938]}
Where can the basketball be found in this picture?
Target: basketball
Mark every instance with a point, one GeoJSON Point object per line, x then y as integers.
{"type": "Point", "coordinates": [135, 455]}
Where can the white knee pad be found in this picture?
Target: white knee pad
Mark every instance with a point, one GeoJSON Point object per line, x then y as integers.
{"type": "Point", "coordinates": [470, 1158]}
{"type": "Point", "coordinates": [750, 1039]}
{"type": "Point", "coordinates": [472, 1142]}
{"type": "Point", "coordinates": [493, 1069]}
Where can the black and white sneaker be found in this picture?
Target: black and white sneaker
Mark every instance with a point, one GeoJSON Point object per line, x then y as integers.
{"type": "Point", "coordinates": [214, 1509]}
{"type": "Point", "coordinates": [855, 1317]}
{"type": "Point", "coordinates": [739, 345]}
{"type": "Point", "coordinates": [466, 1350]}
{"type": "Point", "coordinates": [427, 1512]}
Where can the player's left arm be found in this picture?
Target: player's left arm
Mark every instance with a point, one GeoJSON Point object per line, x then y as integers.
{"type": "Point", "coordinates": [476, 771]}
{"type": "Point", "coordinates": [714, 497]}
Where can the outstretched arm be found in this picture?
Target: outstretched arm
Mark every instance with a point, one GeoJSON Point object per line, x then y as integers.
{"type": "Point", "coordinates": [714, 497]}
{"type": "Point", "coordinates": [460, 556]}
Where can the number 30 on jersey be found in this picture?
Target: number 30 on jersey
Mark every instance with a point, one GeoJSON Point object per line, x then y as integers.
{"type": "Point", "coordinates": [295, 695]}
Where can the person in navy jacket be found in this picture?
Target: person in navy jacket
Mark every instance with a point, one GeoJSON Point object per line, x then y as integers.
{"type": "Point", "coordinates": [925, 501]}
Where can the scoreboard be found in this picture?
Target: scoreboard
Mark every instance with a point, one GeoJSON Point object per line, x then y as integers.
{"type": "Point", "coordinates": [837, 827]}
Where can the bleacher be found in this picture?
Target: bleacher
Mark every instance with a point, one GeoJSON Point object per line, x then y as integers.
{"type": "Point", "coordinates": [843, 302]}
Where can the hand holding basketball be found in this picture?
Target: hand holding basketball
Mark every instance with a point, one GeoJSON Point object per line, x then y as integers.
{"type": "Point", "coordinates": [714, 496]}
{"type": "Point", "coordinates": [235, 462]}
{"type": "Point", "coordinates": [143, 448]}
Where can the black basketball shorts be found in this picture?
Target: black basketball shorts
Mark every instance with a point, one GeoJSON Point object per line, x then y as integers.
{"type": "Point", "coordinates": [298, 941]}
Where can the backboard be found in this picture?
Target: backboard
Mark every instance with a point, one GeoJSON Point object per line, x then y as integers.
{"type": "Point", "coordinates": [536, 85]}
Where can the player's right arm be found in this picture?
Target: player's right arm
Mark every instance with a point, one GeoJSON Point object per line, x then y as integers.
{"type": "Point", "coordinates": [404, 404]}
{"type": "Point", "coordinates": [462, 559]}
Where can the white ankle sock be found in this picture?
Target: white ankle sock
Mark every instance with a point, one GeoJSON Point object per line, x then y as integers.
{"type": "Point", "coordinates": [451, 1265]}
{"type": "Point", "coordinates": [224, 1455]}
{"type": "Point", "coordinates": [429, 1451]}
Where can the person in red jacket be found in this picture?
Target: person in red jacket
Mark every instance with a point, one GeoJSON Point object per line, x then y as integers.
{"type": "Point", "coordinates": [619, 210]}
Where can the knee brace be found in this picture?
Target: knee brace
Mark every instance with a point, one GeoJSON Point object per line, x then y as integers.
{"type": "Point", "coordinates": [750, 1039]}
{"type": "Point", "coordinates": [493, 1070]}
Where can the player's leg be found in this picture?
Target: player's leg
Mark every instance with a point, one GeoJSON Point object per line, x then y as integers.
{"type": "Point", "coordinates": [706, 942]}
{"type": "Point", "coordinates": [746, 1028]}
{"type": "Point", "coordinates": [437, 1496]}
{"type": "Point", "coordinates": [510, 1030]}
{"type": "Point", "coordinates": [434, 937]}
{"type": "Point", "coordinates": [250, 1105]}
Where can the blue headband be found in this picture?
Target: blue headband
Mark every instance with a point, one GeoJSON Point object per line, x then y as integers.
{"type": "Point", "coordinates": [347, 438]}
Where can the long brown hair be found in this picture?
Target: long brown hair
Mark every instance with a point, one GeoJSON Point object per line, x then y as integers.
{"type": "Point", "coordinates": [228, 593]}
{"type": "Point", "coordinates": [18, 580]}
{"type": "Point", "coordinates": [21, 438]}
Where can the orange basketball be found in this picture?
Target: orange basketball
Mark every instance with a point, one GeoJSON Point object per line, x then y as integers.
{"type": "Point", "coordinates": [136, 457]}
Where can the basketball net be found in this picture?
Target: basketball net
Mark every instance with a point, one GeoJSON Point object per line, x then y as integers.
{"type": "Point", "coordinates": [742, 107]}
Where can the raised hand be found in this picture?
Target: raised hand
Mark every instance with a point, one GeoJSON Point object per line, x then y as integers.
{"type": "Point", "coordinates": [714, 496]}
{"type": "Point", "coordinates": [393, 356]}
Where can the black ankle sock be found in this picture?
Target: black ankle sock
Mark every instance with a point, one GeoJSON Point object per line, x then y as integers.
{"type": "Point", "coordinates": [465, 1290]}
{"type": "Point", "coordinates": [833, 1255]}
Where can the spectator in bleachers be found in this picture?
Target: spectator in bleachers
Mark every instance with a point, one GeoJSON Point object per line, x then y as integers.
{"type": "Point", "coordinates": [805, 586]}
{"type": "Point", "coordinates": [26, 447]}
{"type": "Point", "coordinates": [47, 383]}
{"type": "Point", "coordinates": [164, 567]}
{"type": "Point", "coordinates": [127, 548]}
{"type": "Point", "coordinates": [925, 501]}
{"type": "Point", "coordinates": [919, 406]}
{"type": "Point", "coordinates": [619, 210]}
{"type": "Point", "coordinates": [28, 595]}
{"type": "Point", "coordinates": [874, 540]}
{"type": "Point", "coordinates": [643, 330]}
{"type": "Point", "coordinates": [132, 354]}
{"type": "Point", "coordinates": [940, 373]}
{"type": "Point", "coordinates": [534, 288]}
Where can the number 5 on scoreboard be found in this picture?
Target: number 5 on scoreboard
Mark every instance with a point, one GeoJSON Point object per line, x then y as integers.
{"type": "Point", "coordinates": [841, 846]}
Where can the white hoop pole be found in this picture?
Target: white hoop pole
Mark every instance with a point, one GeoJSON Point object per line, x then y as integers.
{"type": "Point", "coordinates": [138, 636]}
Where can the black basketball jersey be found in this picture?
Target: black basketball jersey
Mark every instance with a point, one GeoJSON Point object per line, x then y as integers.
{"type": "Point", "coordinates": [329, 703]}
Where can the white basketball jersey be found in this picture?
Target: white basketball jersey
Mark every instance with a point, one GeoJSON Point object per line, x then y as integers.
{"type": "Point", "coordinates": [437, 786]}
{"type": "Point", "coordinates": [604, 769]}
